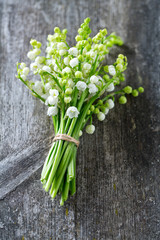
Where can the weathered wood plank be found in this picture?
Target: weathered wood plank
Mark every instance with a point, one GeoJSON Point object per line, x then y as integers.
{"type": "Point", "coordinates": [117, 182]}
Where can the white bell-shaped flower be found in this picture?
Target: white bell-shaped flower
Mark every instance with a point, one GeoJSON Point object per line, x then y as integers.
{"type": "Point", "coordinates": [94, 79]}
{"type": "Point", "coordinates": [73, 51]}
{"type": "Point", "coordinates": [110, 88]}
{"type": "Point", "coordinates": [54, 92]}
{"type": "Point", "coordinates": [81, 86]}
{"type": "Point", "coordinates": [87, 66]}
{"type": "Point", "coordinates": [111, 70]}
{"type": "Point", "coordinates": [92, 88]}
{"type": "Point", "coordinates": [52, 100]}
{"type": "Point", "coordinates": [46, 69]}
{"type": "Point", "coordinates": [52, 111]}
{"type": "Point", "coordinates": [74, 62]}
{"type": "Point", "coordinates": [26, 71]}
{"type": "Point", "coordinates": [61, 45]}
{"type": "Point", "coordinates": [90, 129]}
{"type": "Point", "coordinates": [110, 103]}
{"type": "Point", "coordinates": [31, 55]}
{"type": "Point", "coordinates": [66, 61]}
{"type": "Point", "coordinates": [66, 70]}
{"type": "Point", "coordinates": [101, 116]}
{"type": "Point", "coordinates": [72, 112]}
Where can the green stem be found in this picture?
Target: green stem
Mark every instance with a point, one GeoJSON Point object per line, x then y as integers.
{"type": "Point", "coordinates": [111, 95]}
{"type": "Point", "coordinates": [47, 160]}
{"type": "Point", "coordinates": [54, 78]}
{"type": "Point", "coordinates": [73, 186]}
{"type": "Point", "coordinates": [57, 156]}
{"type": "Point", "coordinates": [58, 180]}
{"type": "Point", "coordinates": [71, 166]}
{"type": "Point", "coordinates": [49, 164]}
{"type": "Point", "coordinates": [73, 181]}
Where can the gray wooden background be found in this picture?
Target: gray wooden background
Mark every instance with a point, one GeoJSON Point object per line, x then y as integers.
{"type": "Point", "coordinates": [117, 167]}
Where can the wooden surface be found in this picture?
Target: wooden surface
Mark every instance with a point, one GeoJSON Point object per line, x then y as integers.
{"type": "Point", "coordinates": [118, 167]}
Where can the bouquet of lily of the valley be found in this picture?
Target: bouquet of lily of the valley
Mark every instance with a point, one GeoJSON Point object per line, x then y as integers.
{"type": "Point", "coordinates": [74, 85]}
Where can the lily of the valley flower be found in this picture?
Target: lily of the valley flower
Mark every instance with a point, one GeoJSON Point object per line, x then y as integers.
{"type": "Point", "coordinates": [72, 112]}
{"type": "Point", "coordinates": [52, 111]}
{"type": "Point", "coordinates": [81, 86]}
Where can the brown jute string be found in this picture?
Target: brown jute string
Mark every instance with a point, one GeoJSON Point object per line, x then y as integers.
{"type": "Point", "coordinates": [66, 138]}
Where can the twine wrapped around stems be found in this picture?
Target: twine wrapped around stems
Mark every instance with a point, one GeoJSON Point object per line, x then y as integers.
{"type": "Point", "coordinates": [66, 138]}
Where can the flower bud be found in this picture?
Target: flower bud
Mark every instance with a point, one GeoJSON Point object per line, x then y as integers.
{"type": "Point", "coordinates": [119, 67]}
{"type": "Point", "coordinates": [78, 74]}
{"type": "Point", "coordinates": [101, 47]}
{"type": "Point", "coordinates": [135, 93]}
{"type": "Point", "coordinates": [57, 30]}
{"type": "Point", "coordinates": [105, 68]}
{"type": "Point", "coordinates": [37, 51]}
{"type": "Point", "coordinates": [80, 31]}
{"type": "Point", "coordinates": [106, 77]}
{"type": "Point", "coordinates": [67, 99]}
{"type": "Point", "coordinates": [111, 70]}
{"type": "Point", "coordinates": [87, 20]}
{"type": "Point", "coordinates": [104, 32]}
{"type": "Point", "coordinates": [92, 108]}
{"type": "Point", "coordinates": [110, 103]}
{"type": "Point", "coordinates": [78, 38]}
{"type": "Point", "coordinates": [33, 42]}
{"type": "Point", "coordinates": [100, 102]}
{"type": "Point", "coordinates": [38, 45]}
{"type": "Point", "coordinates": [64, 31]}
{"type": "Point", "coordinates": [127, 89]}
{"type": "Point", "coordinates": [90, 129]}
{"type": "Point", "coordinates": [64, 81]}
{"type": "Point", "coordinates": [96, 111]}
{"type": "Point", "coordinates": [121, 56]}
{"type": "Point", "coordinates": [141, 89]}
{"type": "Point", "coordinates": [81, 58]}
{"type": "Point", "coordinates": [101, 116]}
{"type": "Point", "coordinates": [122, 100]}
{"type": "Point", "coordinates": [119, 60]}
{"type": "Point", "coordinates": [68, 91]}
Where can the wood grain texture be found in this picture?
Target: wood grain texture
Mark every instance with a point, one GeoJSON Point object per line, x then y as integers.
{"type": "Point", "coordinates": [117, 168]}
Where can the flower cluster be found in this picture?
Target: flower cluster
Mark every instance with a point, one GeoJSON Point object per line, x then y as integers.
{"type": "Point", "coordinates": [74, 85]}
{"type": "Point", "coordinates": [64, 71]}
